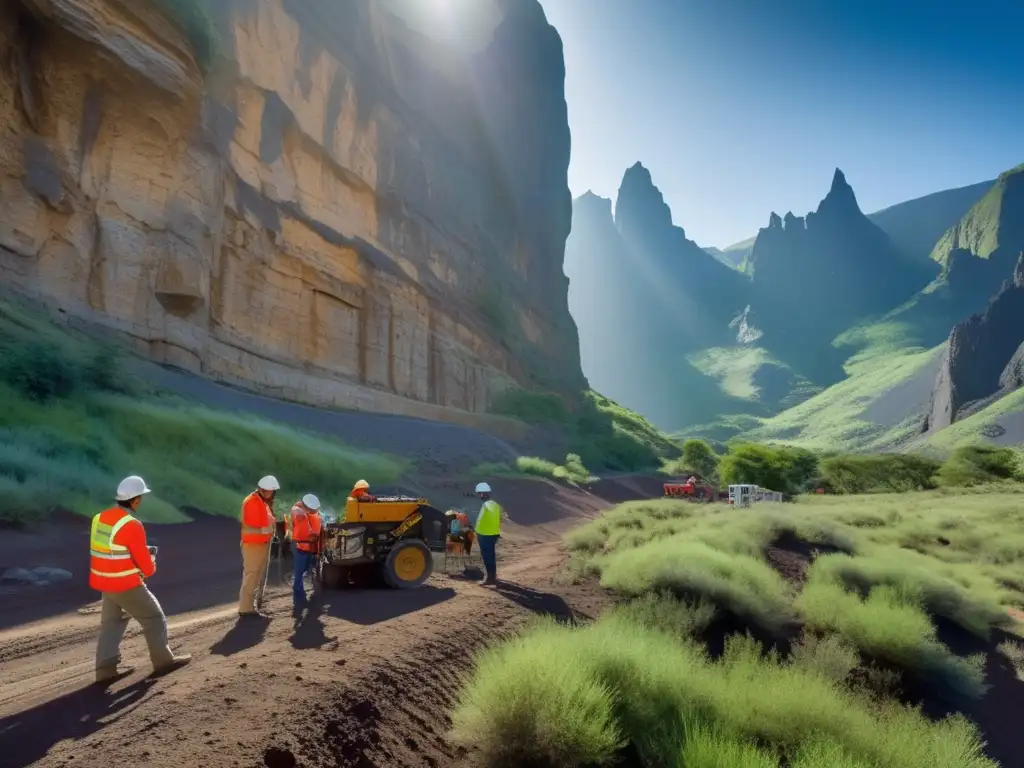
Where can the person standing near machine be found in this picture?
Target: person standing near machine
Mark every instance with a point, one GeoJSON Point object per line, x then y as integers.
{"type": "Point", "coordinates": [119, 563]}
{"type": "Point", "coordinates": [258, 525]}
{"type": "Point", "coordinates": [305, 528]}
{"type": "Point", "coordinates": [488, 531]}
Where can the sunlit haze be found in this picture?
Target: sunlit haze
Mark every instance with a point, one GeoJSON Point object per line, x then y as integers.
{"type": "Point", "coordinates": [740, 107]}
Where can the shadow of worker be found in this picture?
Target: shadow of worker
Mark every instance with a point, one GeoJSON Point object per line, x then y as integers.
{"type": "Point", "coordinates": [247, 633]}
{"type": "Point", "coordinates": [537, 602]}
{"type": "Point", "coordinates": [29, 735]}
{"type": "Point", "coordinates": [309, 628]}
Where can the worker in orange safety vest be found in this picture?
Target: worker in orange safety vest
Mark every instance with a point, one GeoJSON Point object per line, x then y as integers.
{"type": "Point", "coordinates": [258, 524]}
{"type": "Point", "coordinates": [119, 562]}
{"type": "Point", "coordinates": [305, 528]}
{"type": "Point", "coordinates": [361, 492]}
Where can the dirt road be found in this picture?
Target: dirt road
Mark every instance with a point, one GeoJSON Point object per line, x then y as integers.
{"type": "Point", "coordinates": [367, 678]}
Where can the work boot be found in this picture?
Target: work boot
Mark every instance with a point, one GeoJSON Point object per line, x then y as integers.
{"type": "Point", "coordinates": [179, 661]}
{"type": "Point", "coordinates": [490, 581]}
{"type": "Point", "coordinates": [253, 615]}
{"type": "Point", "coordinates": [105, 675]}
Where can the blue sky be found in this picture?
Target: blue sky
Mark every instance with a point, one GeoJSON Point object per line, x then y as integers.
{"type": "Point", "coordinates": [741, 107]}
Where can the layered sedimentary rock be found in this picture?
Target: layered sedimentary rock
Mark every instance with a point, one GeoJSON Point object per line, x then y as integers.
{"type": "Point", "coordinates": [341, 211]}
{"type": "Point", "coordinates": [983, 355]}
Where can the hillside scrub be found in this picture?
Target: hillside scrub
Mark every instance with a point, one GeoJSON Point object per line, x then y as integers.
{"type": "Point", "coordinates": [777, 468]}
{"type": "Point", "coordinates": [644, 688]}
{"type": "Point", "coordinates": [890, 473]}
{"type": "Point", "coordinates": [606, 436]}
{"type": "Point", "coordinates": [574, 696]}
{"type": "Point", "coordinates": [67, 444]}
{"type": "Point", "coordinates": [572, 471]}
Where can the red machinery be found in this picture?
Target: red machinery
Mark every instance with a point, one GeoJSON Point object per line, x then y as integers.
{"type": "Point", "coordinates": [694, 488]}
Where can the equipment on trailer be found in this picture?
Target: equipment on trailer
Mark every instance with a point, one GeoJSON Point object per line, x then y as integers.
{"type": "Point", "coordinates": [394, 535]}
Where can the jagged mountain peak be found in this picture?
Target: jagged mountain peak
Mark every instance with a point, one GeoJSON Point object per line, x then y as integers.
{"type": "Point", "coordinates": [640, 204]}
{"type": "Point", "coordinates": [840, 198]}
{"type": "Point", "coordinates": [591, 202]}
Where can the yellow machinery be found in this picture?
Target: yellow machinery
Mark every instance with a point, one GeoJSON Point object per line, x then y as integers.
{"type": "Point", "coordinates": [395, 535]}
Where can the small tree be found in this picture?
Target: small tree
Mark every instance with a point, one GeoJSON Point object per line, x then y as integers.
{"type": "Point", "coordinates": [700, 457]}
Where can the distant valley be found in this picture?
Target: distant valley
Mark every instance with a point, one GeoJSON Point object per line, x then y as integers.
{"type": "Point", "coordinates": [828, 329]}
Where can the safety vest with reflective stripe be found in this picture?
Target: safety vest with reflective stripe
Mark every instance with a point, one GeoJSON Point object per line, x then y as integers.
{"type": "Point", "coordinates": [118, 557]}
{"type": "Point", "coordinates": [257, 520]}
{"type": "Point", "coordinates": [305, 527]}
{"type": "Point", "coordinates": [488, 523]}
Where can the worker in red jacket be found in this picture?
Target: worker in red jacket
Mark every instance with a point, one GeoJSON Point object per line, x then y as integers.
{"type": "Point", "coordinates": [258, 526]}
{"type": "Point", "coordinates": [119, 563]}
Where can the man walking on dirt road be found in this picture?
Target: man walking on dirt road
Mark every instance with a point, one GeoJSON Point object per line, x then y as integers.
{"type": "Point", "coordinates": [119, 562]}
{"type": "Point", "coordinates": [488, 531]}
{"type": "Point", "coordinates": [258, 524]}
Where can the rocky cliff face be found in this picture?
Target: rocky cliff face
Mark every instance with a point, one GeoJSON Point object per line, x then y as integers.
{"type": "Point", "coordinates": [814, 276]}
{"type": "Point", "coordinates": [983, 356]}
{"type": "Point", "coordinates": [699, 294]}
{"type": "Point", "coordinates": [341, 212]}
{"type": "Point", "coordinates": [644, 297]}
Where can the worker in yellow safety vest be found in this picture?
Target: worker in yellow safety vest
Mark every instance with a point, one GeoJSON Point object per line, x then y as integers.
{"type": "Point", "coordinates": [488, 531]}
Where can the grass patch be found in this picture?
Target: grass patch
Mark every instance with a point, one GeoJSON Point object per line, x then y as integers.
{"type": "Point", "coordinates": [835, 418]}
{"type": "Point", "coordinates": [68, 446]}
{"type": "Point", "coordinates": [575, 696]}
{"type": "Point", "coordinates": [888, 473]}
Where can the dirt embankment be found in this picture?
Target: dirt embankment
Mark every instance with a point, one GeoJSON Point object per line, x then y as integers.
{"type": "Point", "coordinates": [366, 679]}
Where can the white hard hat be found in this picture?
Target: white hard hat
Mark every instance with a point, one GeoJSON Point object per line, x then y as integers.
{"type": "Point", "coordinates": [360, 484]}
{"type": "Point", "coordinates": [131, 487]}
{"type": "Point", "coordinates": [269, 483]}
{"type": "Point", "coordinates": [311, 501]}
{"type": "Point", "coordinates": [483, 488]}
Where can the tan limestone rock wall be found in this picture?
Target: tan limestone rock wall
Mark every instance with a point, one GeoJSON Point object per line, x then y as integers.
{"type": "Point", "coordinates": [291, 222]}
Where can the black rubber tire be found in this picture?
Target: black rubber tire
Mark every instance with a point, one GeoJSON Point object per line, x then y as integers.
{"type": "Point", "coordinates": [389, 567]}
{"type": "Point", "coordinates": [333, 576]}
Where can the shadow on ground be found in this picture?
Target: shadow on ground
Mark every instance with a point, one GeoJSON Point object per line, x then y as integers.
{"type": "Point", "coordinates": [372, 606]}
{"type": "Point", "coordinates": [28, 736]}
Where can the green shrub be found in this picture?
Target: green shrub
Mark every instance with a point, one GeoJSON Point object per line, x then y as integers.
{"type": "Point", "coordinates": [890, 625]}
{"type": "Point", "coordinates": [890, 472]}
{"type": "Point", "coordinates": [699, 457]}
{"type": "Point", "coordinates": [39, 370]}
{"type": "Point", "coordinates": [571, 696]}
{"type": "Point", "coordinates": [977, 464]}
{"type": "Point", "coordinates": [744, 586]}
{"type": "Point", "coordinates": [783, 469]}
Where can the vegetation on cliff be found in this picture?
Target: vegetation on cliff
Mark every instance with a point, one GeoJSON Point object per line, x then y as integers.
{"type": "Point", "coordinates": [72, 418]}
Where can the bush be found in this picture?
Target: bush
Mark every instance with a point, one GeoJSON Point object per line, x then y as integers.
{"type": "Point", "coordinates": [699, 457]}
{"type": "Point", "coordinates": [570, 696]}
{"type": "Point", "coordinates": [742, 585]}
{"type": "Point", "coordinates": [883, 473]}
{"type": "Point", "coordinates": [783, 469]}
{"type": "Point", "coordinates": [890, 625]}
{"type": "Point", "coordinates": [39, 370]}
{"type": "Point", "coordinates": [978, 464]}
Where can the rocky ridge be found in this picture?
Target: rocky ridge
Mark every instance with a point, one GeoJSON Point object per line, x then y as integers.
{"type": "Point", "coordinates": [340, 212]}
{"type": "Point", "coordinates": [984, 357]}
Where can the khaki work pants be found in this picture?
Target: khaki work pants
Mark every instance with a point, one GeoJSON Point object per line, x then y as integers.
{"type": "Point", "coordinates": [255, 558]}
{"type": "Point", "coordinates": [117, 610]}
